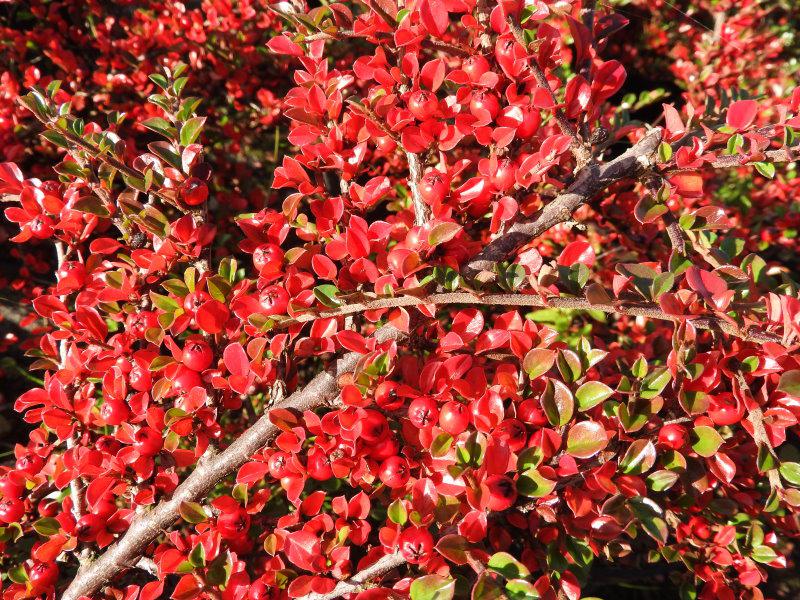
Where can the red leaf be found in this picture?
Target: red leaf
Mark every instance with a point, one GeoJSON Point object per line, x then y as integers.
{"type": "Point", "coordinates": [235, 360]}
{"type": "Point", "coordinates": [578, 251]}
{"type": "Point", "coordinates": [212, 316]}
{"type": "Point", "coordinates": [741, 114]}
{"type": "Point", "coordinates": [434, 16]}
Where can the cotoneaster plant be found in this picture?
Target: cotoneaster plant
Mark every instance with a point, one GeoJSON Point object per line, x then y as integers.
{"type": "Point", "coordinates": [490, 329]}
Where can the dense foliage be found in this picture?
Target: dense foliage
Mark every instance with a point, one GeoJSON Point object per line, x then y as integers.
{"type": "Point", "coordinates": [385, 299]}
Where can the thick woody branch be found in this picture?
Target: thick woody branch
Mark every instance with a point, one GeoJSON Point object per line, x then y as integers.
{"type": "Point", "coordinates": [359, 581]}
{"type": "Point", "coordinates": [209, 472]}
{"type": "Point", "coordinates": [591, 180]}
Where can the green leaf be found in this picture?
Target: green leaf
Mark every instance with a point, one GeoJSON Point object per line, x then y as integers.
{"type": "Point", "coordinates": [592, 393]}
{"type": "Point", "coordinates": [790, 471]}
{"type": "Point", "coordinates": [190, 130]}
{"type": "Point", "coordinates": [662, 284]}
{"type": "Point", "coordinates": [92, 205]}
{"type": "Point", "coordinates": [521, 589]}
{"type": "Point", "coordinates": [654, 383]}
{"type": "Point", "coordinates": [192, 512]}
{"type": "Point", "coordinates": [585, 439]}
{"type": "Point", "coordinates": [18, 574]}
{"type": "Point", "coordinates": [790, 383]}
{"type": "Point", "coordinates": [165, 303]}
{"type": "Point", "coordinates": [569, 365]}
{"type": "Point", "coordinates": [326, 294]}
{"type": "Point", "coordinates": [530, 458]}
{"type": "Point", "coordinates": [161, 126]}
{"type": "Point", "coordinates": [443, 232]}
{"type": "Point", "coordinates": [538, 361]}
{"type": "Point", "coordinates": [397, 512]}
{"type": "Point", "coordinates": [533, 484]}
{"type": "Point", "coordinates": [441, 445]}
{"type": "Point", "coordinates": [707, 440]}
{"type": "Point", "coordinates": [639, 458]}
{"type": "Point", "coordinates": [508, 566]}
{"type": "Point", "coordinates": [47, 526]}
{"type": "Point", "coordinates": [558, 403]}
{"type": "Point", "coordinates": [219, 571]}
{"type": "Point", "coordinates": [763, 554]}
{"type": "Point", "coordinates": [159, 80]}
{"type": "Point", "coordinates": [662, 480]}
{"type": "Point", "coordinates": [433, 587]}
{"type": "Point", "coordinates": [766, 169]}
{"type": "Point", "coordinates": [197, 557]}
{"type": "Point", "coordinates": [664, 152]}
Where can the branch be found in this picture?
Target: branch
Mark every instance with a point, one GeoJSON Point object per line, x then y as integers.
{"type": "Point", "coordinates": [422, 212]}
{"type": "Point", "coordinates": [357, 582]}
{"type": "Point", "coordinates": [149, 525]}
{"type": "Point", "coordinates": [648, 310]}
{"type": "Point", "coordinates": [781, 155]}
{"type": "Point", "coordinates": [581, 152]}
{"type": "Point", "coordinates": [592, 179]}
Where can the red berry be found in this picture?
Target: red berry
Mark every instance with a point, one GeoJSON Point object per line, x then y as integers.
{"type": "Point", "coordinates": [423, 411]}
{"type": "Point", "coordinates": [268, 257]}
{"type": "Point", "coordinates": [416, 545]}
{"type": "Point", "coordinates": [502, 492]}
{"type": "Point", "coordinates": [386, 144]}
{"type": "Point", "coordinates": [374, 426]}
{"type": "Point", "coordinates": [274, 300]}
{"type": "Point", "coordinates": [233, 524]}
{"type": "Point", "coordinates": [505, 51]}
{"type": "Point", "coordinates": [531, 120]}
{"type": "Point", "coordinates": [475, 67]}
{"type": "Point", "coordinates": [89, 526]}
{"type": "Point", "coordinates": [504, 177]}
{"type": "Point", "coordinates": [197, 354]}
{"type": "Point", "coordinates": [194, 301]}
{"type": "Point", "coordinates": [383, 449]}
{"type": "Point", "coordinates": [30, 463]}
{"type": "Point", "coordinates": [148, 441]}
{"type": "Point", "coordinates": [42, 227]}
{"type": "Point", "coordinates": [725, 409]}
{"type": "Point", "coordinates": [194, 191]}
{"type": "Point", "coordinates": [279, 464]}
{"type": "Point", "coordinates": [394, 472]}
{"type": "Point", "coordinates": [185, 379]}
{"type": "Point", "coordinates": [10, 488]}
{"type": "Point", "coordinates": [454, 417]}
{"type": "Point", "coordinates": [43, 576]}
{"type": "Point", "coordinates": [673, 436]}
{"type": "Point", "coordinates": [318, 464]}
{"type": "Point", "coordinates": [48, 507]}
{"type": "Point", "coordinates": [434, 187]}
{"type": "Point", "coordinates": [140, 378]}
{"type": "Point", "coordinates": [114, 412]}
{"type": "Point", "coordinates": [484, 103]}
{"type": "Point", "coordinates": [423, 105]}
{"type": "Point", "coordinates": [137, 324]}
{"type": "Point", "coordinates": [11, 510]}
{"type": "Point", "coordinates": [104, 507]}
{"type": "Point", "coordinates": [386, 396]}
{"type": "Point", "coordinates": [108, 444]}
